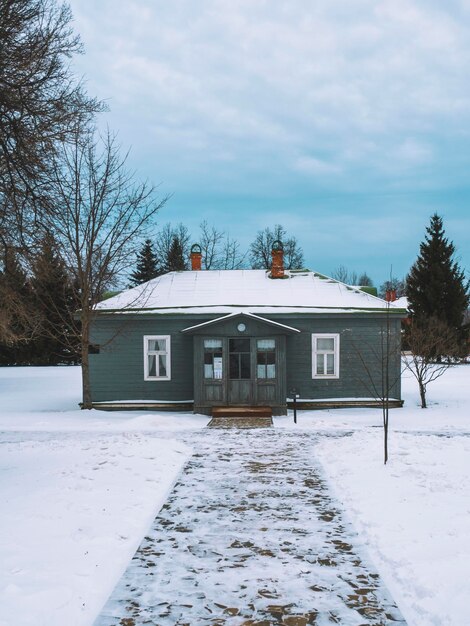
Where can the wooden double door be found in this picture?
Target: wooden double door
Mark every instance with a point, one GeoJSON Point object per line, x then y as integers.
{"type": "Point", "coordinates": [242, 371]}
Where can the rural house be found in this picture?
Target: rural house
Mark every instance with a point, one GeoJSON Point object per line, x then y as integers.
{"type": "Point", "coordinates": [202, 339]}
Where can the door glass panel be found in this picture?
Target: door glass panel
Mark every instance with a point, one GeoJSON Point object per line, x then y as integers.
{"type": "Point", "coordinates": [213, 343]}
{"type": "Point", "coordinates": [245, 369]}
{"type": "Point", "coordinates": [234, 366]}
{"type": "Point", "coordinates": [266, 344]}
{"type": "Point", "coordinates": [218, 366]}
{"type": "Point", "coordinates": [239, 344]}
{"type": "Point", "coordinates": [271, 371]}
{"type": "Point", "coordinates": [266, 358]}
{"type": "Point", "coordinates": [213, 361]}
{"type": "Point", "coordinates": [239, 358]}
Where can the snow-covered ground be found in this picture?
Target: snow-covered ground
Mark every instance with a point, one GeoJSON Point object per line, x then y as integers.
{"type": "Point", "coordinates": [79, 489]}
{"type": "Point", "coordinates": [415, 511]}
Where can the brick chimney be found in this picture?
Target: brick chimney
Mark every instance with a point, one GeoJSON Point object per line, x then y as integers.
{"type": "Point", "coordinates": [277, 253]}
{"type": "Point", "coordinates": [391, 295]}
{"type": "Point", "coordinates": [196, 258]}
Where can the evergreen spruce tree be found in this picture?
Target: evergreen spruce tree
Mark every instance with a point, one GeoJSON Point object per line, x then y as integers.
{"type": "Point", "coordinates": [147, 265]}
{"type": "Point", "coordinates": [436, 286]}
{"type": "Point", "coordinates": [176, 261]}
{"type": "Point", "coordinates": [18, 316]}
{"type": "Point", "coordinates": [56, 300]}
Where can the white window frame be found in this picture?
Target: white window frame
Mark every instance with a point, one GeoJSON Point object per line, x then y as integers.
{"type": "Point", "coordinates": [148, 352]}
{"type": "Point", "coordinates": [316, 336]}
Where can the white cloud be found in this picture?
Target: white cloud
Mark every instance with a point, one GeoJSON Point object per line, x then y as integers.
{"type": "Point", "coordinates": [413, 152]}
{"type": "Point", "coordinates": [311, 165]}
{"type": "Point", "coordinates": [271, 99]}
{"type": "Point", "coordinates": [317, 76]}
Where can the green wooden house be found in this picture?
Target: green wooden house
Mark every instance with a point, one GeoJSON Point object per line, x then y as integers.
{"type": "Point", "coordinates": [200, 340]}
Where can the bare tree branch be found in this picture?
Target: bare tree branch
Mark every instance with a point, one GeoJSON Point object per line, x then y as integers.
{"type": "Point", "coordinates": [99, 214]}
{"type": "Point", "coordinates": [260, 249]}
{"type": "Point", "coordinates": [434, 348]}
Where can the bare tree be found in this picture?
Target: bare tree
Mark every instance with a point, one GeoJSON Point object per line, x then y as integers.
{"type": "Point", "coordinates": [434, 347]}
{"type": "Point", "coordinates": [40, 101]}
{"type": "Point", "coordinates": [98, 214]}
{"type": "Point", "coordinates": [348, 277]}
{"type": "Point", "coordinates": [260, 249]}
{"type": "Point", "coordinates": [379, 368]}
{"type": "Point", "coordinates": [210, 240]}
{"type": "Point", "coordinates": [165, 240]}
{"type": "Point", "coordinates": [232, 258]}
{"type": "Point", "coordinates": [398, 285]}
{"type": "Point", "coordinates": [341, 273]}
{"type": "Point", "coordinates": [219, 250]}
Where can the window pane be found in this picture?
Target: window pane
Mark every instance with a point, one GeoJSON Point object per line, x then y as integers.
{"type": "Point", "coordinates": [218, 366]}
{"type": "Point", "coordinates": [320, 364]}
{"type": "Point", "coordinates": [261, 371]}
{"type": "Point", "coordinates": [261, 358]}
{"type": "Point", "coordinates": [162, 364]}
{"type": "Point", "coordinates": [208, 370]}
{"type": "Point", "coordinates": [266, 344]}
{"type": "Point", "coordinates": [245, 369]}
{"type": "Point", "coordinates": [325, 343]}
{"type": "Point", "coordinates": [271, 358]}
{"type": "Point", "coordinates": [271, 371]}
{"type": "Point", "coordinates": [157, 344]}
{"type": "Point", "coordinates": [152, 363]}
{"type": "Point", "coordinates": [330, 364]}
{"type": "Point", "coordinates": [239, 345]}
{"type": "Point", "coordinates": [233, 366]}
{"type": "Point", "coordinates": [208, 358]}
{"type": "Point", "coordinates": [212, 343]}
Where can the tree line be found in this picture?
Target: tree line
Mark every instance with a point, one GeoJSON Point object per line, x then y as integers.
{"type": "Point", "coordinates": [47, 299]}
{"type": "Point", "coordinates": [169, 250]}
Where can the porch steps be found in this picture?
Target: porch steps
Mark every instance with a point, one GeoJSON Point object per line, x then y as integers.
{"type": "Point", "coordinates": [241, 417]}
{"type": "Point", "coordinates": [242, 411]}
{"type": "Point", "coordinates": [240, 422]}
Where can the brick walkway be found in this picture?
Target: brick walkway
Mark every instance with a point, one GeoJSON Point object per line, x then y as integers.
{"type": "Point", "coordinates": [250, 536]}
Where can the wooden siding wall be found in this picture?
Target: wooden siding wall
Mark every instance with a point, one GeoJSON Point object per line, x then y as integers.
{"type": "Point", "coordinates": [117, 372]}
{"type": "Point", "coordinates": [360, 343]}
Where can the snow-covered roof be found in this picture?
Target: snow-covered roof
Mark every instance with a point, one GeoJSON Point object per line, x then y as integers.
{"type": "Point", "coordinates": [401, 303]}
{"type": "Point", "coordinates": [228, 291]}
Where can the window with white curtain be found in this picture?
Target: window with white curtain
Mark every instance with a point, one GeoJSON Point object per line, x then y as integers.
{"type": "Point", "coordinates": [213, 359]}
{"type": "Point", "coordinates": [265, 358]}
{"type": "Point", "coordinates": [157, 363]}
{"type": "Point", "coordinates": [325, 355]}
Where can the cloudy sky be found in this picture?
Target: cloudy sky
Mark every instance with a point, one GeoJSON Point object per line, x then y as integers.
{"type": "Point", "coordinates": [346, 121]}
